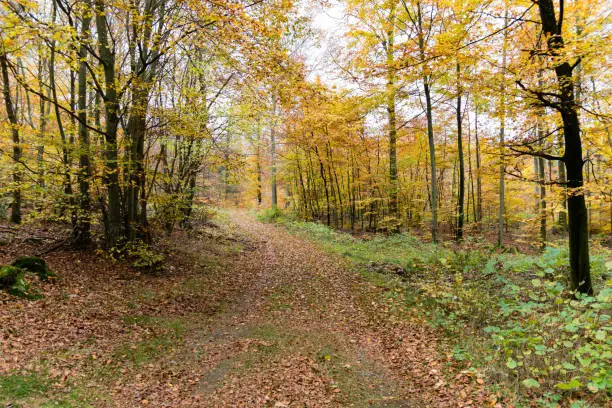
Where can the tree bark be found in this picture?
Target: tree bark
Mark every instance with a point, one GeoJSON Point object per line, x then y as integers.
{"type": "Point", "coordinates": [461, 193]}
{"type": "Point", "coordinates": [478, 175]}
{"type": "Point", "coordinates": [577, 212]}
{"type": "Point", "coordinates": [114, 230]}
{"type": "Point", "coordinates": [258, 171]}
{"type": "Point", "coordinates": [562, 182]}
{"type": "Point", "coordinates": [391, 96]}
{"type": "Point", "coordinates": [273, 158]}
{"type": "Point", "coordinates": [60, 125]}
{"type": "Point", "coordinates": [82, 230]}
{"type": "Point", "coordinates": [433, 200]}
{"type": "Point", "coordinates": [144, 61]}
{"type": "Point", "coordinates": [502, 167]}
{"type": "Point", "coordinates": [40, 149]}
{"type": "Point", "coordinates": [12, 117]}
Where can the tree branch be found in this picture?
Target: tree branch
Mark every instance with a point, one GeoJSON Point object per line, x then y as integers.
{"type": "Point", "coordinates": [540, 96]}
{"type": "Point", "coordinates": [532, 152]}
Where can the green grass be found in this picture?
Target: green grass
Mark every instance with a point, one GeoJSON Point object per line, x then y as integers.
{"type": "Point", "coordinates": [168, 332]}
{"type": "Point", "coordinates": [401, 249]}
{"type": "Point", "coordinates": [21, 386]}
{"type": "Point", "coordinates": [144, 351]}
{"type": "Point", "coordinates": [174, 327]}
{"type": "Point", "coordinates": [34, 389]}
{"type": "Point", "coordinates": [269, 214]}
{"type": "Point", "coordinates": [77, 398]}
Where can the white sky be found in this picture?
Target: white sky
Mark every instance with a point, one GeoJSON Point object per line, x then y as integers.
{"type": "Point", "coordinates": [330, 25]}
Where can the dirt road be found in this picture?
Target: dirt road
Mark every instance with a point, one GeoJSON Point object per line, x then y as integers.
{"type": "Point", "coordinates": [245, 315]}
{"type": "Point", "coordinates": [305, 330]}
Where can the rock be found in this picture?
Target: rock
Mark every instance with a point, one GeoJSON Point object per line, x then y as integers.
{"type": "Point", "coordinates": [8, 275]}
{"type": "Point", "coordinates": [13, 277]}
{"type": "Point", "coordinates": [35, 265]}
{"type": "Point", "coordinates": [21, 288]}
{"type": "Point", "coordinates": [13, 280]}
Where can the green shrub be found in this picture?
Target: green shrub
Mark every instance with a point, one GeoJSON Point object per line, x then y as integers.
{"type": "Point", "coordinates": [168, 210]}
{"type": "Point", "coordinates": [13, 280]}
{"type": "Point", "coordinates": [21, 287]}
{"type": "Point", "coordinates": [269, 214]}
{"type": "Point", "coordinates": [203, 214]}
{"type": "Point", "coordinates": [559, 341]}
{"type": "Point", "coordinates": [140, 255]}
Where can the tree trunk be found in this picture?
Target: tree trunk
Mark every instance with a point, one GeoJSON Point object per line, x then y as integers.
{"type": "Point", "coordinates": [432, 163]}
{"type": "Point", "coordinates": [577, 211]}
{"type": "Point", "coordinates": [461, 193]}
{"type": "Point", "coordinates": [562, 181]}
{"type": "Point", "coordinates": [502, 167]}
{"type": "Point", "coordinates": [111, 104]}
{"type": "Point", "coordinates": [433, 200]}
{"type": "Point", "coordinates": [40, 149]}
{"type": "Point", "coordinates": [60, 125]}
{"type": "Point", "coordinates": [144, 60]}
{"type": "Point", "coordinates": [258, 171]}
{"type": "Point", "coordinates": [478, 175]}
{"type": "Point", "coordinates": [273, 158]}
{"type": "Point", "coordinates": [322, 171]}
{"type": "Point", "coordinates": [542, 206]}
{"type": "Point", "coordinates": [391, 96]}
{"type": "Point", "coordinates": [136, 173]}
{"type": "Point", "coordinates": [12, 117]}
{"type": "Point", "coordinates": [82, 230]}
{"type": "Point", "coordinates": [471, 195]}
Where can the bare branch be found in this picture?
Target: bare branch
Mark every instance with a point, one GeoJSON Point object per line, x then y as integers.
{"type": "Point", "coordinates": [531, 152]}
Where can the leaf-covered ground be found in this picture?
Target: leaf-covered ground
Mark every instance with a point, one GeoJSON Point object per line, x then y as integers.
{"type": "Point", "coordinates": [245, 315]}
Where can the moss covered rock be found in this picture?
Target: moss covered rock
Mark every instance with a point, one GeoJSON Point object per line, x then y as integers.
{"type": "Point", "coordinates": [21, 288]}
{"type": "Point", "coordinates": [8, 275]}
{"type": "Point", "coordinates": [35, 265]}
{"type": "Point", "coordinates": [12, 279]}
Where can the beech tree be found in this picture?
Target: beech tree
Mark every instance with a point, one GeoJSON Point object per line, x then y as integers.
{"type": "Point", "coordinates": [563, 101]}
{"type": "Point", "coordinates": [14, 124]}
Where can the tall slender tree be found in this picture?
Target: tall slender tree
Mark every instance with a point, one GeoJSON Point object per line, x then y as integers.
{"type": "Point", "coordinates": [17, 151]}
{"type": "Point", "coordinates": [82, 229]}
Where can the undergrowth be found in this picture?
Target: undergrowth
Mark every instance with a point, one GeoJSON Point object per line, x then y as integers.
{"type": "Point", "coordinates": [511, 315]}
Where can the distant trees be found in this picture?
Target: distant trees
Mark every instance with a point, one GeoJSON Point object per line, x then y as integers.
{"type": "Point", "coordinates": [375, 51]}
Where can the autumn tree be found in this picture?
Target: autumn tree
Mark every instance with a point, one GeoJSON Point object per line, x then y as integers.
{"type": "Point", "coordinates": [562, 100]}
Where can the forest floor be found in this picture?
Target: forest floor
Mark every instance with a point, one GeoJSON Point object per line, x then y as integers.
{"type": "Point", "coordinates": [245, 315]}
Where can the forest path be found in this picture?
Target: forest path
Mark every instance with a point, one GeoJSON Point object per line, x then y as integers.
{"type": "Point", "coordinates": [244, 314]}
{"type": "Point", "coordinates": [305, 330]}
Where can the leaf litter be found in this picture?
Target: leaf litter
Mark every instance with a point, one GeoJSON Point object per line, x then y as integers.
{"type": "Point", "coordinates": [245, 315]}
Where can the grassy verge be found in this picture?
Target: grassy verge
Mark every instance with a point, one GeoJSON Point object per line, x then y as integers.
{"type": "Point", "coordinates": [511, 315]}
{"type": "Point", "coordinates": [31, 388]}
